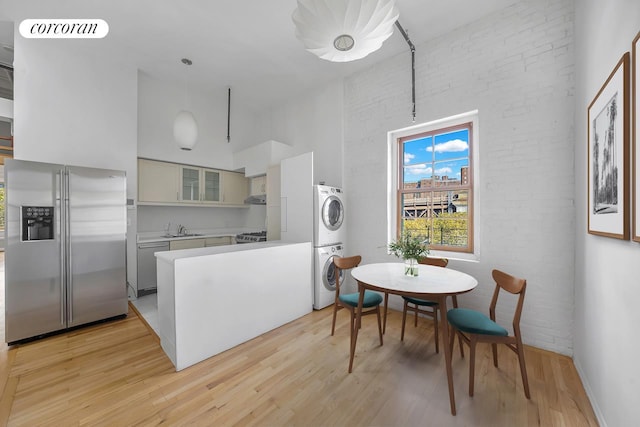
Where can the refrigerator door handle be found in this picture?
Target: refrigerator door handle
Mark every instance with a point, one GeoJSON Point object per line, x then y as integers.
{"type": "Point", "coordinates": [61, 228]}
{"type": "Point", "coordinates": [67, 242]}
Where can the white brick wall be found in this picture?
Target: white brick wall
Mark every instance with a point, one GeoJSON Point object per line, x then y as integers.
{"type": "Point", "coordinates": [517, 68]}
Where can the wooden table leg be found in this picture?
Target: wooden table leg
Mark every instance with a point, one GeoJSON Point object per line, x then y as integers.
{"type": "Point", "coordinates": [354, 331]}
{"type": "Point", "coordinates": [386, 304]}
{"type": "Point", "coordinates": [444, 330]}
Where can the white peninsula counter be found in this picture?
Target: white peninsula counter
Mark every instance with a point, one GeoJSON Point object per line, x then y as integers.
{"type": "Point", "coordinates": [212, 299]}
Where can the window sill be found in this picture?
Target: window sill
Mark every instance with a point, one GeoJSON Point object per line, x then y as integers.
{"type": "Point", "coordinates": [457, 256]}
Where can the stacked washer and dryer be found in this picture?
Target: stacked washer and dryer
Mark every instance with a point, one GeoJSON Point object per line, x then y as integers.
{"type": "Point", "coordinates": [329, 238]}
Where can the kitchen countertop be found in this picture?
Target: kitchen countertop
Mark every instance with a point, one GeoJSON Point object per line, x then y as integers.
{"type": "Point", "coordinates": [171, 256]}
{"type": "Point", "coordinates": [159, 236]}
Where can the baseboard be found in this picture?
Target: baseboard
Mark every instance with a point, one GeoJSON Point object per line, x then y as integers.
{"type": "Point", "coordinates": [587, 389]}
{"type": "Point", "coordinates": [144, 321]}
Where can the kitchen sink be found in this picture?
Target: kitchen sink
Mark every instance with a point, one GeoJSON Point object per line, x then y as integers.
{"type": "Point", "coordinates": [183, 235]}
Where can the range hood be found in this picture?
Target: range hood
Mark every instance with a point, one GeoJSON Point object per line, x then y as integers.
{"type": "Point", "coordinates": [256, 199]}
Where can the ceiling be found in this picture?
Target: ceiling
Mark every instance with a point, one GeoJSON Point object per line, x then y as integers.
{"type": "Point", "coordinates": [248, 45]}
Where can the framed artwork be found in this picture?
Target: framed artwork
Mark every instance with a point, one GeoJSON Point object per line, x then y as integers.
{"type": "Point", "coordinates": [608, 155]}
{"type": "Point", "coordinates": [635, 118]}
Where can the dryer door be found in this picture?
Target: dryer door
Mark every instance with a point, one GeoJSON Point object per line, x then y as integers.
{"type": "Point", "coordinates": [332, 213]}
{"type": "Point", "coordinates": [329, 274]}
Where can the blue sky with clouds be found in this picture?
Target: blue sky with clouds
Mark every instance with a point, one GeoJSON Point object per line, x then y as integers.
{"type": "Point", "coordinates": [444, 154]}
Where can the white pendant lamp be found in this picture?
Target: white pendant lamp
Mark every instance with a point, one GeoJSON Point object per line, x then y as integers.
{"type": "Point", "coordinates": [344, 30]}
{"type": "Point", "coordinates": [185, 130]}
{"type": "Point", "coordinates": [185, 127]}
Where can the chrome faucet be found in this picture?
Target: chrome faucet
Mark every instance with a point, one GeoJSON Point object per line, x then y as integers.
{"type": "Point", "coordinates": [181, 229]}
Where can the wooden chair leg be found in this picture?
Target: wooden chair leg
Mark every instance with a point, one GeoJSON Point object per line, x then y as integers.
{"type": "Point", "coordinates": [379, 323]}
{"type": "Point", "coordinates": [352, 323]}
{"type": "Point", "coordinates": [353, 332]}
{"type": "Point", "coordinates": [435, 324]}
{"type": "Point", "coordinates": [452, 337]}
{"type": "Point", "coordinates": [333, 325]}
{"type": "Point", "coordinates": [404, 319]}
{"type": "Point", "coordinates": [472, 363]}
{"type": "Point", "coordinates": [494, 350]}
{"type": "Point", "coordinates": [523, 368]}
{"type": "Point", "coordinates": [461, 347]}
{"type": "Point", "coordinates": [386, 304]}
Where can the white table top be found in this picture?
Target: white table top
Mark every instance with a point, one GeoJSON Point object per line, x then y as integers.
{"type": "Point", "coordinates": [430, 280]}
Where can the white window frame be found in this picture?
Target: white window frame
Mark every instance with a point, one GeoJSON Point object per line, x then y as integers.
{"type": "Point", "coordinates": [392, 178]}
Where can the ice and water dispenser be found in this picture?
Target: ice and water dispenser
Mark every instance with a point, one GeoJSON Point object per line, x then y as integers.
{"type": "Point", "coordinates": [37, 223]}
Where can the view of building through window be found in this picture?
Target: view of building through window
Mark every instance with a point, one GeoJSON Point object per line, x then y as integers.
{"type": "Point", "coordinates": [435, 187]}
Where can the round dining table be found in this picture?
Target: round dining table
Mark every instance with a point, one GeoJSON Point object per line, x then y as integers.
{"type": "Point", "coordinates": [432, 283]}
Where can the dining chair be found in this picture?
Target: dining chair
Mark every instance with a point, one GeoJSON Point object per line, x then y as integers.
{"type": "Point", "coordinates": [474, 327]}
{"type": "Point", "coordinates": [370, 305]}
{"type": "Point", "coordinates": [426, 307]}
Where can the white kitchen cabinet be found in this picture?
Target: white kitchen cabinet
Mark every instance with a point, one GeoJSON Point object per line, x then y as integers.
{"type": "Point", "coordinates": [296, 198]}
{"type": "Point", "coordinates": [235, 188]}
{"type": "Point", "coordinates": [259, 185]}
{"type": "Point", "coordinates": [210, 185]}
{"type": "Point", "coordinates": [199, 184]}
{"type": "Point", "coordinates": [186, 244]}
{"type": "Point", "coordinates": [189, 184]}
{"type": "Point", "coordinates": [165, 183]}
{"type": "Point", "coordinates": [158, 181]}
{"type": "Point", "coordinates": [273, 202]}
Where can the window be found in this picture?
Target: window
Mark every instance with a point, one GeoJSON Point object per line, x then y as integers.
{"type": "Point", "coordinates": [434, 191]}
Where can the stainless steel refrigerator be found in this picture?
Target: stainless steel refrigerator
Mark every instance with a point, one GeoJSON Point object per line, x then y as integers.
{"type": "Point", "coordinates": [65, 237]}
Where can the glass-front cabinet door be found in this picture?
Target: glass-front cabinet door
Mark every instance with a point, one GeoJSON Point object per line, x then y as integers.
{"type": "Point", "coordinates": [190, 188]}
{"type": "Point", "coordinates": [211, 185]}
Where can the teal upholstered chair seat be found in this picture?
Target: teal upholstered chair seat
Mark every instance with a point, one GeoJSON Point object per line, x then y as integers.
{"type": "Point", "coordinates": [473, 327]}
{"type": "Point", "coordinates": [474, 322]}
{"type": "Point", "coordinates": [371, 299]}
{"type": "Point", "coordinates": [421, 302]}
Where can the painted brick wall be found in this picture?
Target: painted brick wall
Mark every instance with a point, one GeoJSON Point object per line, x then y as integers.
{"type": "Point", "coordinates": [516, 67]}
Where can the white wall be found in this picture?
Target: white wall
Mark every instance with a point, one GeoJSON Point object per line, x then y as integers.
{"type": "Point", "coordinates": [158, 104]}
{"type": "Point", "coordinates": [155, 218]}
{"type": "Point", "coordinates": [77, 106]}
{"type": "Point", "coordinates": [516, 68]}
{"type": "Point", "coordinates": [607, 270]}
{"type": "Point", "coordinates": [74, 106]}
{"type": "Point", "coordinates": [310, 123]}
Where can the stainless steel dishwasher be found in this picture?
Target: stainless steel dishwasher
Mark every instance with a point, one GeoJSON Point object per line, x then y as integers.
{"type": "Point", "coordinates": [147, 278]}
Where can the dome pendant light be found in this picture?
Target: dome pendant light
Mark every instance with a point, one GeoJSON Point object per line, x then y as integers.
{"type": "Point", "coordinates": [185, 127]}
{"type": "Point", "coordinates": [344, 30]}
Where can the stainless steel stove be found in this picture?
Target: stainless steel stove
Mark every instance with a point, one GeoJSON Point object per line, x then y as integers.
{"type": "Point", "coordinates": [258, 236]}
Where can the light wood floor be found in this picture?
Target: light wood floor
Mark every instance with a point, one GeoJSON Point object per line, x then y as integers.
{"type": "Point", "coordinates": [116, 374]}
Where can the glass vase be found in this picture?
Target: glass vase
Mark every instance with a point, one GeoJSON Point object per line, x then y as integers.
{"type": "Point", "coordinates": [411, 267]}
